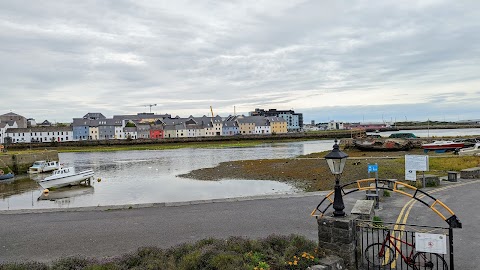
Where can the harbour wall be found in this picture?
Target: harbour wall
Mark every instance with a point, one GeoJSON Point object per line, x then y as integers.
{"type": "Point", "coordinates": [321, 135]}
{"type": "Point", "coordinates": [19, 163]}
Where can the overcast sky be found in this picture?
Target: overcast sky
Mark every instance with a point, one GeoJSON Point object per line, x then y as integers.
{"type": "Point", "coordinates": [343, 60]}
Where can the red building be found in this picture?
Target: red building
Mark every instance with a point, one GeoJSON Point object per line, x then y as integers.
{"type": "Point", "coordinates": [156, 132]}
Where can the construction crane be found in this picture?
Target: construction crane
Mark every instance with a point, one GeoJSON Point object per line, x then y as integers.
{"type": "Point", "coordinates": [151, 105]}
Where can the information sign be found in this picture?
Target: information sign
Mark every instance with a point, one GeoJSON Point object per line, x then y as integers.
{"type": "Point", "coordinates": [372, 168]}
{"type": "Point", "coordinates": [416, 162]}
{"type": "Point", "coordinates": [431, 243]}
{"type": "Point", "coordinates": [410, 175]}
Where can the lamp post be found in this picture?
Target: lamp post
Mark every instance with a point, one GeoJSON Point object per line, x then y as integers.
{"type": "Point", "coordinates": [336, 160]}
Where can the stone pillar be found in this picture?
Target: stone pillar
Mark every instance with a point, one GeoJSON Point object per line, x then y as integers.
{"type": "Point", "coordinates": [336, 236]}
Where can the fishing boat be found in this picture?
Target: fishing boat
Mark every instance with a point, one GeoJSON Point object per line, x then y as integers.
{"type": "Point", "coordinates": [471, 151]}
{"type": "Point", "coordinates": [65, 177]}
{"type": "Point", "coordinates": [442, 146]}
{"type": "Point", "coordinates": [43, 166]}
{"type": "Point", "coordinates": [379, 144]}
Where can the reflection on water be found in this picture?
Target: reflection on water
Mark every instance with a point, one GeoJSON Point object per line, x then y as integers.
{"type": "Point", "coordinates": [66, 193]}
{"type": "Point", "coordinates": [130, 177]}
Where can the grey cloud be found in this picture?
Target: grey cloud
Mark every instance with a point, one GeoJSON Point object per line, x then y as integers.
{"type": "Point", "coordinates": [112, 55]}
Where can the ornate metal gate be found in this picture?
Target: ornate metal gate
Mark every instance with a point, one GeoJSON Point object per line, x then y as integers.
{"type": "Point", "coordinates": [401, 246]}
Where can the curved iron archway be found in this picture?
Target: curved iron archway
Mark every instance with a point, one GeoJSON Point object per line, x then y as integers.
{"type": "Point", "coordinates": [395, 186]}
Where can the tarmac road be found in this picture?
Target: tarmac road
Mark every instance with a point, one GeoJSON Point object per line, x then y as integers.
{"type": "Point", "coordinates": [49, 236]}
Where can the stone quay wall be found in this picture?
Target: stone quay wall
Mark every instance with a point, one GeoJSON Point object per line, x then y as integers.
{"type": "Point", "coordinates": [19, 163]}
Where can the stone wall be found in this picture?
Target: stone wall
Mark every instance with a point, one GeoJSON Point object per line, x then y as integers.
{"type": "Point", "coordinates": [336, 236]}
{"type": "Point", "coordinates": [6, 162]}
{"type": "Point", "coordinates": [471, 173]}
{"type": "Point", "coordinates": [326, 135]}
{"type": "Point", "coordinates": [19, 163]}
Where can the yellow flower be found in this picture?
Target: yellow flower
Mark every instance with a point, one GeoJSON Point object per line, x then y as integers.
{"type": "Point", "coordinates": [295, 263]}
{"type": "Point", "coordinates": [289, 263]}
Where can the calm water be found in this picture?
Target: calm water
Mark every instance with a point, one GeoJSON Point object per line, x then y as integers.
{"type": "Point", "coordinates": [435, 132]}
{"type": "Point", "coordinates": [130, 177]}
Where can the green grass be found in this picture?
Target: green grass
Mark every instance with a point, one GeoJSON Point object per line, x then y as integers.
{"type": "Point", "coordinates": [273, 252]}
{"type": "Point", "coordinates": [169, 146]}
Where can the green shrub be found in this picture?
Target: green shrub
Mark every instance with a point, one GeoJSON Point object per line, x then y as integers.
{"type": "Point", "coordinates": [71, 263]}
{"type": "Point", "coordinates": [386, 193]}
{"type": "Point", "coordinates": [377, 221]}
{"type": "Point", "coordinates": [273, 252]}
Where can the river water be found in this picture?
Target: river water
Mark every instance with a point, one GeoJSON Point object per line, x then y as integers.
{"type": "Point", "coordinates": [425, 133]}
{"type": "Point", "coordinates": [133, 177]}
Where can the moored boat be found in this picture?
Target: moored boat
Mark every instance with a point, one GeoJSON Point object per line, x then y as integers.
{"type": "Point", "coordinates": [442, 146]}
{"type": "Point", "coordinates": [6, 176]}
{"type": "Point", "coordinates": [379, 144]}
{"type": "Point", "coordinates": [43, 166]}
{"type": "Point", "coordinates": [65, 177]}
{"type": "Point", "coordinates": [471, 151]}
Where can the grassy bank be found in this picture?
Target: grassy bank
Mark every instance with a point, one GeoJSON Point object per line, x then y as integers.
{"type": "Point", "coordinates": [273, 252]}
{"type": "Point", "coordinates": [313, 174]}
{"type": "Point", "coordinates": [158, 146]}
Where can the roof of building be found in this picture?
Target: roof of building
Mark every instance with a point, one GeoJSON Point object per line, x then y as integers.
{"type": "Point", "coordinates": [130, 129]}
{"type": "Point", "coordinates": [276, 119]}
{"type": "Point", "coordinates": [94, 116]}
{"type": "Point", "coordinates": [11, 114]}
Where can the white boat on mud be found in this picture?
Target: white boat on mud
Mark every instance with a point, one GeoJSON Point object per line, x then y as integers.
{"type": "Point", "coordinates": [65, 177]}
{"type": "Point", "coordinates": [470, 151]}
{"type": "Point", "coordinates": [43, 166]}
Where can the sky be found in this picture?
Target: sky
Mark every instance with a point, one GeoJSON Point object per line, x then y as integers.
{"type": "Point", "coordinates": [339, 60]}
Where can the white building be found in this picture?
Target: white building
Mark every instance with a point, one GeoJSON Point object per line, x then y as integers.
{"type": "Point", "coordinates": [335, 125]}
{"type": "Point", "coordinates": [40, 134]}
{"type": "Point", "coordinates": [3, 129]}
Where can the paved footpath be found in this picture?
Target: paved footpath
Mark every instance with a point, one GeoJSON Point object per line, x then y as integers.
{"type": "Point", "coordinates": [49, 236]}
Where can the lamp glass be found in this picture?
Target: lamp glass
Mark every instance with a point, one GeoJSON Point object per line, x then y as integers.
{"type": "Point", "coordinates": [336, 165]}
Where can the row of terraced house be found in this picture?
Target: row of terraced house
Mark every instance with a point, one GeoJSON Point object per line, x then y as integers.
{"type": "Point", "coordinates": [95, 126]}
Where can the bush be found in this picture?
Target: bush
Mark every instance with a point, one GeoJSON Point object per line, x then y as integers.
{"type": "Point", "coordinates": [273, 252]}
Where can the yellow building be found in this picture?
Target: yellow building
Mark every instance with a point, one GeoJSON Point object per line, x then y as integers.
{"type": "Point", "coordinates": [278, 125]}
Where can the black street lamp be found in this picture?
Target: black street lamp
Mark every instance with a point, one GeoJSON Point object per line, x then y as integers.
{"type": "Point", "coordinates": [336, 160]}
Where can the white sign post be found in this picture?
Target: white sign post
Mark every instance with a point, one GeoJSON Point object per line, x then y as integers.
{"type": "Point", "coordinates": [414, 163]}
{"type": "Point", "coordinates": [431, 243]}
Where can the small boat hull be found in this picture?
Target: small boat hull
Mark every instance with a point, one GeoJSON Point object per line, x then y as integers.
{"type": "Point", "coordinates": [67, 180]}
{"type": "Point", "coordinates": [379, 144]}
{"type": "Point", "coordinates": [443, 145]}
{"type": "Point", "coordinates": [6, 176]}
{"type": "Point", "coordinates": [472, 151]}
